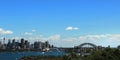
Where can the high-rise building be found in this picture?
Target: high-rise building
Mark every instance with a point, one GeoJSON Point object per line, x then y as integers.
{"type": "Point", "coordinates": [22, 40]}
{"type": "Point", "coordinates": [0, 45]}
{"type": "Point", "coordinates": [4, 40]}
{"type": "Point", "coordinates": [22, 44]}
{"type": "Point", "coordinates": [9, 44]}
{"type": "Point", "coordinates": [38, 45]}
{"type": "Point", "coordinates": [118, 47]}
{"type": "Point", "coordinates": [17, 45]}
{"type": "Point", "coordinates": [26, 44]}
{"type": "Point", "coordinates": [13, 44]}
{"type": "Point", "coordinates": [47, 45]}
{"type": "Point", "coordinates": [31, 46]}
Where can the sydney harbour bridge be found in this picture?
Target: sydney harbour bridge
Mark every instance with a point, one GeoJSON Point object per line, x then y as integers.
{"type": "Point", "coordinates": [85, 47]}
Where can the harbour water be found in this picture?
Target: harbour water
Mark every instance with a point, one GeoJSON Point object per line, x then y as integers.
{"type": "Point", "coordinates": [18, 55]}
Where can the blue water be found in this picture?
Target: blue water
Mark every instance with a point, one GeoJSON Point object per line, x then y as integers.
{"type": "Point", "coordinates": [18, 55]}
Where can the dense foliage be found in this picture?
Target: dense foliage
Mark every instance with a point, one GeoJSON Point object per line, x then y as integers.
{"type": "Point", "coordinates": [106, 54]}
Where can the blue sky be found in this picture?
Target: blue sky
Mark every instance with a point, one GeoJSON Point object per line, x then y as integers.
{"type": "Point", "coordinates": [51, 18]}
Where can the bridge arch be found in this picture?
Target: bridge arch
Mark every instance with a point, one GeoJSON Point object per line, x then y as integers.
{"type": "Point", "coordinates": [90, 44]}
{"type": "Point", "coordinates": [82, 48]}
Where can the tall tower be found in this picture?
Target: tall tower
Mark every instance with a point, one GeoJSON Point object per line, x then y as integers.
{"type": "Point", "coordinates": [4, 40]}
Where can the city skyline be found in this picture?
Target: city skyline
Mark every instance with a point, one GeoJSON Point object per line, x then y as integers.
{"type": "Point", "coordinates": [64, 23]}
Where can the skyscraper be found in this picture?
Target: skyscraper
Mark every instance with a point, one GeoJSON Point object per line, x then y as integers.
{"type": "Point", "coordinates": [22, 44]}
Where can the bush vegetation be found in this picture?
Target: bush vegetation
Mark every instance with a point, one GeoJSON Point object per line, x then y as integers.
{"type": "Point", "coordinates": [106, 54]}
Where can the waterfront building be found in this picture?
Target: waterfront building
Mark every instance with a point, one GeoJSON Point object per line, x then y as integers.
{"type": "Point", "coordinates": [27, 44]}
{"type": "Point", "coordinates": [47, 45]}
{"type": "Point", "coordinates": [4, 46]}
{"type": "Point", "coordinates": [31, 46]}
{"type": "Point", "coordinates": [22, 44]}
{"type": "Point", "coordinates": [17, 45]}
{"type": "Point", "coordinates": [118, 47]}
{"type": "Point", "coordinates": [0, 45]}
{"type": "Point", "coordinates": [38, 45]}
{"type": "Point", "coordinates": [9, 44]}
{"type": "Point", "coordinates": [13, 44]}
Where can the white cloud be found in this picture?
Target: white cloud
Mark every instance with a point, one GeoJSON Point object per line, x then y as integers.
{"type": "Point", "coordinates": [75, 28]}
{"type": "Point", "coordinates": [16, 37]}
{"type": "Point", "coordinates": [5, 32]}
{"type": "Point", "coordinates": [69, 39]}
{"type": "Point", "coordinates": [33, 30]}
{"type": "Point", "coordinates": [72, 28]}
{"type": "Point", "coordinates": [55, 37]}
{"type": "Point", "coordinates": [114, 37]}
{"type": "Point", "coordinates": [93, 37]}
{"type": "Point", "coordinates": [28, 33]}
